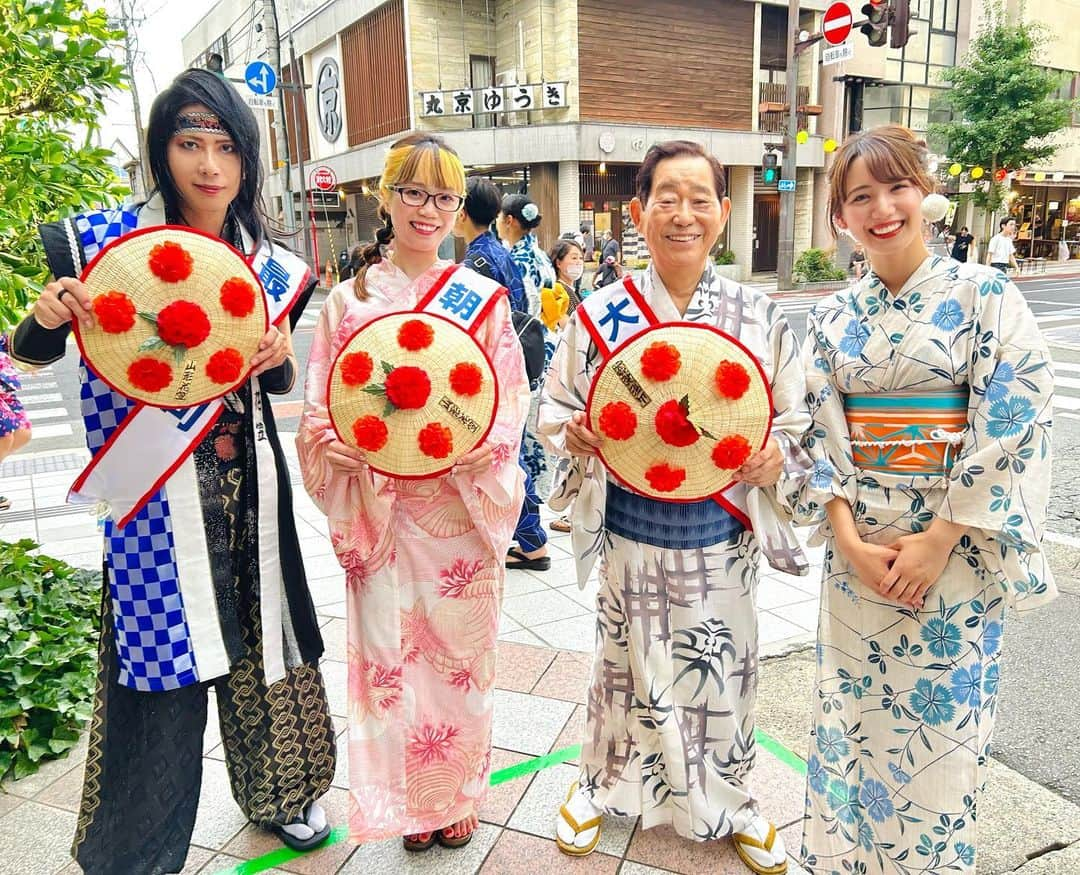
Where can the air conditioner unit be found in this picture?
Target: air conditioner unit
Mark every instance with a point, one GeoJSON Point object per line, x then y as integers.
{"type": "Point", "coordinates": [509, 77]}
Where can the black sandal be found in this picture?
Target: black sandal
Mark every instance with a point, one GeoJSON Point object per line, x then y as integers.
{"type": "Point", "coordinates": [298, 844]}
{"type": "Point", "coordinates": [455, 842]}
{"type": "Point", "coordinates": [524, 563]}
{"type": "Point", "coordinates": [411, 844]}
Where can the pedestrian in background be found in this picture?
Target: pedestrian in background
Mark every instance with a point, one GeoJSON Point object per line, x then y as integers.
{"type": "Point", "coordinates": [423, 558]}
{"type": "Point", "coordinates": [14, 423]}
{"type": "Point", "coordinates": [962, 242]}
{"type": "Point", "coordinates": [588, 241]}
{"type": "Point", "coordinates": [487, 256]}
{"type": "Point", "coordinates": [519, 218]}
{"type": "Point", "coordinates": [611, 248]}
{"type": "Point", "coordinates": [193, 579]}
{"type": "Point", "coordinates": [1001, 251]}
{"type": "Point", "coordinates": [932, 529]}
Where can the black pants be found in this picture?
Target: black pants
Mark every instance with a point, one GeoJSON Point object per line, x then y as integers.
{"type": "Point", "coordinates": [144, 765]}
{"type": "Point", "coordinates": [1000, 265]}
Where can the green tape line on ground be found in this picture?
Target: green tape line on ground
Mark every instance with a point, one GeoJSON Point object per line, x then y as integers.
{"type": "Point", "coordinates": [510, 773]}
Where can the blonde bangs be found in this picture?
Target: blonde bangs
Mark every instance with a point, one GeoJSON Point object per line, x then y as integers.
{"type": "Point", "coordinates": [427, 163]}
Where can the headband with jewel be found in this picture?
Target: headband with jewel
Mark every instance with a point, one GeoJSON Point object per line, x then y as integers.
{"type": "Point", "coordinates": [199, 123]}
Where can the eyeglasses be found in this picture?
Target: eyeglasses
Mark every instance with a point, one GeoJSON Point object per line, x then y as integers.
{"type": "Point", "coordinates": [417, 197]}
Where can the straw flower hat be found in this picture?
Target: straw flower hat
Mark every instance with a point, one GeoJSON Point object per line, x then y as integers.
{"type": "Point", "coordinates": [414, 392]}
{"type": "Point", "coordinates": [681, 407]}
{"type": "Point", "coordinates": [178, 314]}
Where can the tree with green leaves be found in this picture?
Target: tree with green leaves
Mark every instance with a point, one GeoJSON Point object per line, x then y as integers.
{"type": "Point", "coordinates": [1003, 113]}
{"type": "Point", "coordinates": [56, 69]}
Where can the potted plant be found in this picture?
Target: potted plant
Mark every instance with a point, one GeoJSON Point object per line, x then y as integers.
{"type": "Point", "coordinates": [816, 267]}
{"type": "Point", "coordinates": [726, 265]}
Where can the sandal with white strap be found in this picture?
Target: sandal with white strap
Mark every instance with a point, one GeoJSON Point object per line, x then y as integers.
{"type": "Point", "coordinates": [760, 848]}
{"type": "Point", "coordinates": [581, 843]}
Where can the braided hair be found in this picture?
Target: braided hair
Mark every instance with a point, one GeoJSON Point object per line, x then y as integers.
{"type": "Point", "coordinates": [415, 157]}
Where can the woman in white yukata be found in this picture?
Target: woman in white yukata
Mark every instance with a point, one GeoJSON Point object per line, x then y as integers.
{"type": "Point", "coordinates": [669, 733]}
{"type": "Point", "coordinates": [930, 387]}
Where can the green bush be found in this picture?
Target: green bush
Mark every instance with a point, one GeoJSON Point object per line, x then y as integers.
{"type": "Point", "coordinates": [816, 266]}
{"type": "Point", "coordinates": [640, 264]}
{"type": "Point", "coordinates": [724, 256]}
{"type": "Point", "coordinates": [49, 623]}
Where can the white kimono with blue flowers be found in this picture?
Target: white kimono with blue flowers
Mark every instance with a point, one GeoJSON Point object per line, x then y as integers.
{"type": "Point", "coordinates": [905, 699]}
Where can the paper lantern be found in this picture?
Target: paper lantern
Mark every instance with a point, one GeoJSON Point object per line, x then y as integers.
{"type": "Point", "coordinates": [829, 145]}
{"type": "Point", "coordinates": [1059, 176]}
{"type": "Point", "coordinates": [1040, 176]}
{"type": "Point", "coordinates": [1020, 175]}
{"type": "Point", "coordinates": [955, 170]}
{"type": "Point", "coordinates": [802, 137]}
{"type": "Point", "coordinates": [1000, 174]}
{"type": "Point", "coordinates": [976, 172]}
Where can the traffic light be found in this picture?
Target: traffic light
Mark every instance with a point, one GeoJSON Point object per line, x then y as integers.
{"type": "Point", "coordinates": [770, 173]}
{"type": "Point", "coordinates": [899, 23]}
{"type": "Point", "coordinates": [877, 22]}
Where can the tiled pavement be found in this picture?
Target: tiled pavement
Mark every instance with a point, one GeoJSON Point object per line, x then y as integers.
{"type": "Point", "coordinates": [546, 638]}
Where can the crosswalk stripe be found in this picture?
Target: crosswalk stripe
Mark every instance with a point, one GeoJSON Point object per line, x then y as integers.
{"type": "Point", "coordinates": [29, 399]}
{"type": "Point", "coordinates": [50, 431]}
{"type": "Point", "coordinates": [47, 413]}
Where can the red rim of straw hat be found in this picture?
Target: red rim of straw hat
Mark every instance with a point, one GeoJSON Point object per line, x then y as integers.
{"type": "Point", "coordinates": [175, 230]}
{"type": "Point", "coordinates": [592, 416]}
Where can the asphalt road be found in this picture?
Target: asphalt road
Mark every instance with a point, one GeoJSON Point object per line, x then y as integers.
{"type": "Point", "coordinates": [1038, 705]}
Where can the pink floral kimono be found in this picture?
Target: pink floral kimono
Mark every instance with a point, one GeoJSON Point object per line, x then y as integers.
{"type": "Point", "coordinates": [424, 574]}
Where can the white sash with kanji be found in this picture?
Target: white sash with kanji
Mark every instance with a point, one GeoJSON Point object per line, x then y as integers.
{"type": "Point", "coordinates": [463, 296]}
{"type": "Point", "coordinates": [151, 444]}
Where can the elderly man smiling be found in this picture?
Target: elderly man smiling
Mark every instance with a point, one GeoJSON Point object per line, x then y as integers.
{"type": "Point", "coordinates": [672, 746]}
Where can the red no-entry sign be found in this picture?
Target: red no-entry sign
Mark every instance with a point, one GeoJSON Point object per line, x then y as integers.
{"type": "Point", "coordinates": [323, 178]}
{"type": "Point", "coordinates": [837, 23]}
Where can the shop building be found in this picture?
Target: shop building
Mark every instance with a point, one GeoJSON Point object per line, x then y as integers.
{"type": "Point", "coordinates": [559, 98]}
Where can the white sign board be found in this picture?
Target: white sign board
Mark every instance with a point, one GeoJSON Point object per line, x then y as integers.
{"type": "Point", "coordinates": [836, 54]}
{"type": "Point", "coordinates": [261, 101]}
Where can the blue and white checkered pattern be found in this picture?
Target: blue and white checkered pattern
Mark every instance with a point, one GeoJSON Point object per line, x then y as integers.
{"type": "Point", "coordinates": [153, 642]}
{"type": "Point", "coordinates": [98, 229]}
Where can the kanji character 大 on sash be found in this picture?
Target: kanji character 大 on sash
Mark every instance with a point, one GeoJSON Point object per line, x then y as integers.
{"type": "Point", "coordinates": [669, 730]}
{"type": "Point", "coordinates": [423, 556]}
{"type": "Point", "coordinates": [205, 582]}
{"type": "Point", "coordinates": [931, 391]}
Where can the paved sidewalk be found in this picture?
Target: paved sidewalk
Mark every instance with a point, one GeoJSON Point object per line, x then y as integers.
{"type": "Point", "coordinates": [546, 641]}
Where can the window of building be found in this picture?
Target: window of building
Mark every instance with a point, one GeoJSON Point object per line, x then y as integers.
{"type": "Point", "coordinates": [773, 38]}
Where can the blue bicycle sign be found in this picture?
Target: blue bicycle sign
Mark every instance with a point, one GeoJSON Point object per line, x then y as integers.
{"type": "Point", "coordinates": [260, 77]}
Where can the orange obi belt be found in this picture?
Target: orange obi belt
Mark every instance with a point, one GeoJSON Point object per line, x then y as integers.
{"type": "Point", "coordinates": [907, 432]}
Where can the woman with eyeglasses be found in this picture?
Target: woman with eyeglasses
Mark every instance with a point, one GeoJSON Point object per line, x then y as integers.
{"type": "Point", "coordinates": [423, 558]}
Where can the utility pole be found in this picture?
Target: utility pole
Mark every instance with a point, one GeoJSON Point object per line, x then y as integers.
{"type": "Point", "coordinates": [785, 259]}
{"type": "Point", "coordinates": [127, 20]}
{"type": "Point", "coordinates": [297, 89]}
{"type": "Point", "coordinates": [281, 136]}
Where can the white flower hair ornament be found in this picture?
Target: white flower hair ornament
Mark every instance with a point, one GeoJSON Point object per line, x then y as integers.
{"type": "Point", "coordinates": [934, 207]}
{"type": "Point", "coordinates": [530, 212]}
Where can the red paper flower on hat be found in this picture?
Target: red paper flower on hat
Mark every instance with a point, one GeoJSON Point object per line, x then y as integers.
{"type": "Point", "coordinates": [466, 378]}
{"type": "Point", "coordinates": [149, 374]}
{"type": "Point", "coordinates": [730, 452]}
{"type": "Point", "coordinates": [237, 296]}
{"type": "Point", "coordinates": [408, 387]}
{"type": "Point", "coordinates": [171, 262]}
{"type": "Point", "coordinates": [732, 380]}
{"type": "Point", "coordinates": [618, 420]}
{"type": "Point", "coordinates": [660, 361]}
{"type": "Point", "coordinates": [114, 311]}
{"type": "Point", "coordinates": [225, 366]}
{"type": "Point", "coordinates": [415, 334]}
{"type": "Point", "coordinates": [183, 323]}
{"type": "Point", "coordinates": [673, 425]}
{"type": "Point", "coordinates": [435, 440]}
{"type": "Point", "coordinates": [356, 369]}
{"type": "Point", "coordinates": [664, 478]}
{"type": "Point", "coordinates": [370, 433]}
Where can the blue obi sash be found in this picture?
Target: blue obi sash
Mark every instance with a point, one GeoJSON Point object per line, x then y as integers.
{"type": "Point", "coordinates": [667, 524]}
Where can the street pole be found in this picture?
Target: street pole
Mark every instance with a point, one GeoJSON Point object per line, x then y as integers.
{"type": "Point", "coordinates": [785, 260]}
{"type": "Point", "coordinates": [297, 88]}
{"type": "Point", "coordinates": [281, 135]}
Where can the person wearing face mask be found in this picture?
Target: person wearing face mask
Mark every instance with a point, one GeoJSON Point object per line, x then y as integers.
{"type": "Point", "coordinates": [568, 259]}
{"type": "Point", "coordinates": [931, 392]}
